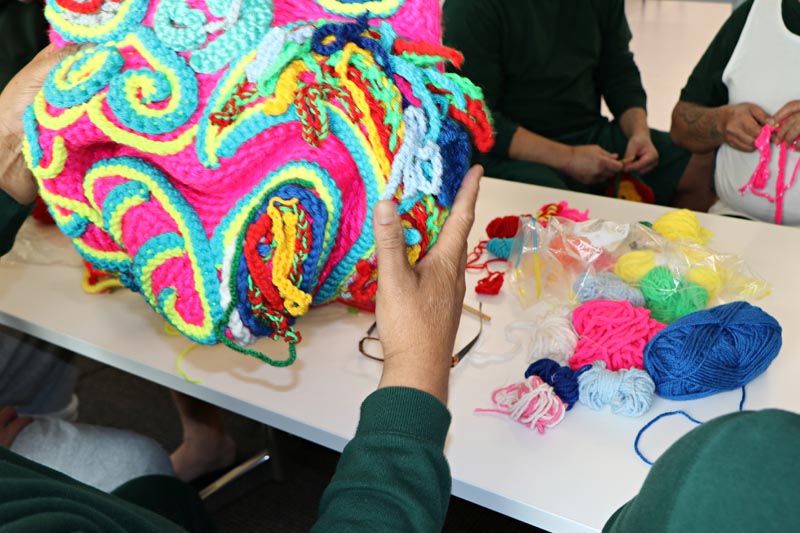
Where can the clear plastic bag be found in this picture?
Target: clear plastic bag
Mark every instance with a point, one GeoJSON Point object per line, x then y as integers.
{"type": "Point", "coordinates": [598, 259]}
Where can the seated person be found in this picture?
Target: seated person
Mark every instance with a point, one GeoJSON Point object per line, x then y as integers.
{"type": "Point", "coordinates": [543, 67]}
{"type": "Point", "coordinates": [740, 85]}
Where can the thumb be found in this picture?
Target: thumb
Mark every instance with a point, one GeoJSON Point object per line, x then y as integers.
{"type": "Point", "coordinates": [47, 59]}
{"type": "Point", "coordinates": [390, 241]}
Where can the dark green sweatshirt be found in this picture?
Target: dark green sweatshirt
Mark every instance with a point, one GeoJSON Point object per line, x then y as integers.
{"type": "Point", "coordinates": [544, 64]}
{"type": "Point", "coordinates": [391, 477]}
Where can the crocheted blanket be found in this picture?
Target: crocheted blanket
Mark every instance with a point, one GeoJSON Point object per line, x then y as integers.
{"type": "Point", "coordinates": [223, 157]}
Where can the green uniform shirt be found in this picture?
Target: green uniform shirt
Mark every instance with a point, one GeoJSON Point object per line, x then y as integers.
{"type": "Point", "coordinates": [544, 64]}
{"type": "Point", "coordinates": [705, 86]}
{"type": "Point", "coordinates": [392, 476]}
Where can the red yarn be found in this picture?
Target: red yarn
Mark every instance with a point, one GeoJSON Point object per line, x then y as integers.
{"type": "Point", "coordinates": [491, 284]}
{"type": "Point", "coordinates": [40, 212]}
{"type": "Point", "coordinates": [503, 227]}
{"type": "Point", "coordinates": [85, 8]}
{"type": "Point", "coordinates": [428, 49]}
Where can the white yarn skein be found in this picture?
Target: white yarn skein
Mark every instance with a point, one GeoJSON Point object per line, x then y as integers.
{"type": "Point", "coordinates": [554, 336]}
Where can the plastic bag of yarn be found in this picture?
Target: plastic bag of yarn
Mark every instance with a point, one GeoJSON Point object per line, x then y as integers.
{"type": "Point", "coordinates": [224, 157]}
{"type": "Point", "coordinates": [546, 262]}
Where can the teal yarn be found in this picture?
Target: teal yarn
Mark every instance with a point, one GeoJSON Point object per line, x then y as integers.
{"type": "Point", "coordinates": [629, 392]}
{"type": "Point", "coordinates": [606, 286]}
{"type": "Point", "coordinates": [719, 349]}
{"type": "Point", "coordinates": [501, 247]}
{"type": "Point", "coordinates": [670, 298]}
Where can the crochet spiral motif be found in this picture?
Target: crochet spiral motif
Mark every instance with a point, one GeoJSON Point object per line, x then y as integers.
{"type": "Point", "coordinates": [224, 156]}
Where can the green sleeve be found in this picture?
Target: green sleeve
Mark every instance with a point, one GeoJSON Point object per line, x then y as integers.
{"type": "Point", "coordinates": [705, 86]}
{"type": "Point", "coordinates": [738, 473]}
{"type": "Point", "coordinates": [34, 498]}
{"type": "Point", "coordinates": [618, 77]}
{"type": "Point", "coordinates": [475, 28]}
{"type": "Point", "coordinates": [12, 215]}
{"type": "Point", "coordinates": [393, 475]}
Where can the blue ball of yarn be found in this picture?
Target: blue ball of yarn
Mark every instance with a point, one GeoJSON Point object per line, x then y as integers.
{"type": "Point", "coordinates": [629, 391]}
{"type": "Point", "coordinates": [501, 247]}
{"type": "Point", "coordinates": [606, 286]}
{"type": "Point", "coordinates": [563, 380]}
{"type": "Point", "coordinates": [710, 351]}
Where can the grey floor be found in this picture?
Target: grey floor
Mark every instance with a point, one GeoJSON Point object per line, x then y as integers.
{"type": "Point", "coordinates": [259, 502]}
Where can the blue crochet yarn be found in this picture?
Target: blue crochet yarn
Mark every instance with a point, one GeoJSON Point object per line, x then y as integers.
{"type": "Point", "coordinates": [563, 380]}
{"type": "Point", "coordinates": [606, 286]}
{"type": "Point", "coordinates": [719, 349]}
{"type": "Point", "coordinates": [455, 147]}
{"type": "Point", "coordinates": [629, 391]}
{"type": "Point", "coordinates": [501, 247]}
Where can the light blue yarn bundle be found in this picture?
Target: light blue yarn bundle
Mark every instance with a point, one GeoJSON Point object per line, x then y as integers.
{"type": "Point", "coordinates": [710, 351]}
{"type": "Point", "coordinates": [501, 247]}
{"type": "Point", "coordinates": [628, 392]}
{"type": "Point", "coordinates": [606, 286]}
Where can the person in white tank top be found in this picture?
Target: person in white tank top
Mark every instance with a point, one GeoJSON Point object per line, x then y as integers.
{"type": "Point", "coordinates": [745, 85]}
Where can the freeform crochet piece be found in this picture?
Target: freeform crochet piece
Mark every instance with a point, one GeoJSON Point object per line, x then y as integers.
{"type": "Point", "coordinates": [224, 156]}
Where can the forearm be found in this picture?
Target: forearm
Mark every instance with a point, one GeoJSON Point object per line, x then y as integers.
{"type": "Point", "coordinates": [529, 146]}
{"type": "Point", "coordinates": [698, 128]}
{"type": "Point", "coordinates": [634, 122]}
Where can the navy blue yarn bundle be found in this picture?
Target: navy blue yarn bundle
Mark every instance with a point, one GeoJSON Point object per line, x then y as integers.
{"type": "Point", "coordinates": [563, 380]}
{"type": "Point", "coordinates": [710, 351]}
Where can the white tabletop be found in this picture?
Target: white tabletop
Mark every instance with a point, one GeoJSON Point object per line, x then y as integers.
{"type": "Point", "coordinates": [568, 480]}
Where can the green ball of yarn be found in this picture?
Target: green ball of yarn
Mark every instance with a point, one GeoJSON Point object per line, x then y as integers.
{"type": "Point", "coordinates": [668, 298]}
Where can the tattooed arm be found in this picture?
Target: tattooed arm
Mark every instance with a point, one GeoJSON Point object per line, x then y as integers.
{"type": "Point", "coordinates": [702, 129]}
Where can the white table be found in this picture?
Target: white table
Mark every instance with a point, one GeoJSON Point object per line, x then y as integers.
{"type": "Point", "coordinates": [569, 480]}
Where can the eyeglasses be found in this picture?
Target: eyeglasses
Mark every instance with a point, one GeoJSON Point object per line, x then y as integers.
{"type": "Point", "coordinates": [370, 346]}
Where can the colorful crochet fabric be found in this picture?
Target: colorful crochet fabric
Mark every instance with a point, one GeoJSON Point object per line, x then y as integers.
{"type": "Point", "coordinates": [223, 157]}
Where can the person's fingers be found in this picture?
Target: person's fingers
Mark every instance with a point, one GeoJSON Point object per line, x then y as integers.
{"type": "Point", "coordinates": [453, 237]}
{"type": "Point", "coordinates": [48, 58]}
{"type": "Point", "coordinates": [390, 242]}
{"type": "Point", "coordinates": [17, 425]}
{"type": "Point", "coordinates": [742, 142]}
{"type": "Point", "coordinates": [789, 131]}
{"type": "Point", "coordinates": [750, 128]}
{"type": "Point", "coordinates": [761, 116]}
{"type": "Point", "coordinates": [790, 108]}
{"type": "Point", "coordinates": [612, 165]}
{"type": "Point", "coordinates": [7, 414]}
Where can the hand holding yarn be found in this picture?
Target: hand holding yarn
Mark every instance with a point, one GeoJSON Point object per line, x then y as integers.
{"type": "Point", "coordinates": [419, 308]}
{"type": "Point", "coordinates": [20, 92]}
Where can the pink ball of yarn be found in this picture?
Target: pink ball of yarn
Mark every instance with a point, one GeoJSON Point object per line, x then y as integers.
{"type": "Point", "coordinates": [612, 331]}
{"type": "Point", "coordinates": [533, 403]}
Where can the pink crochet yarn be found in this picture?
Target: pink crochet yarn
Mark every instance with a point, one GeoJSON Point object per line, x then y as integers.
{"type": "Point", "coordinates": [612, 331]}
{"type": "Point", "coordinates": [533, 403]}
{"type": "Point", "coordinates": [223, 157]}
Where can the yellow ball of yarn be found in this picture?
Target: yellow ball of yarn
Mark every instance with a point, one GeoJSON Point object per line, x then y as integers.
{"type": "Point", "coordinates": [633, 266]}
{"type": "Point", "coordinates": [682, 225]}
{"type": "Point", "coordinates": [706, 278]}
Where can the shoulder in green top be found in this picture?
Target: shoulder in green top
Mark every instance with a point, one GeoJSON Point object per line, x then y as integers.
{"type": "Point", "coordinates": [544, 64]}
{"type": "Point", "coordinates": [392, 476]}
{"type": "Point", "coordinates": [705, 86]}
{"type": "Point", "coordinates": [735, 474]}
